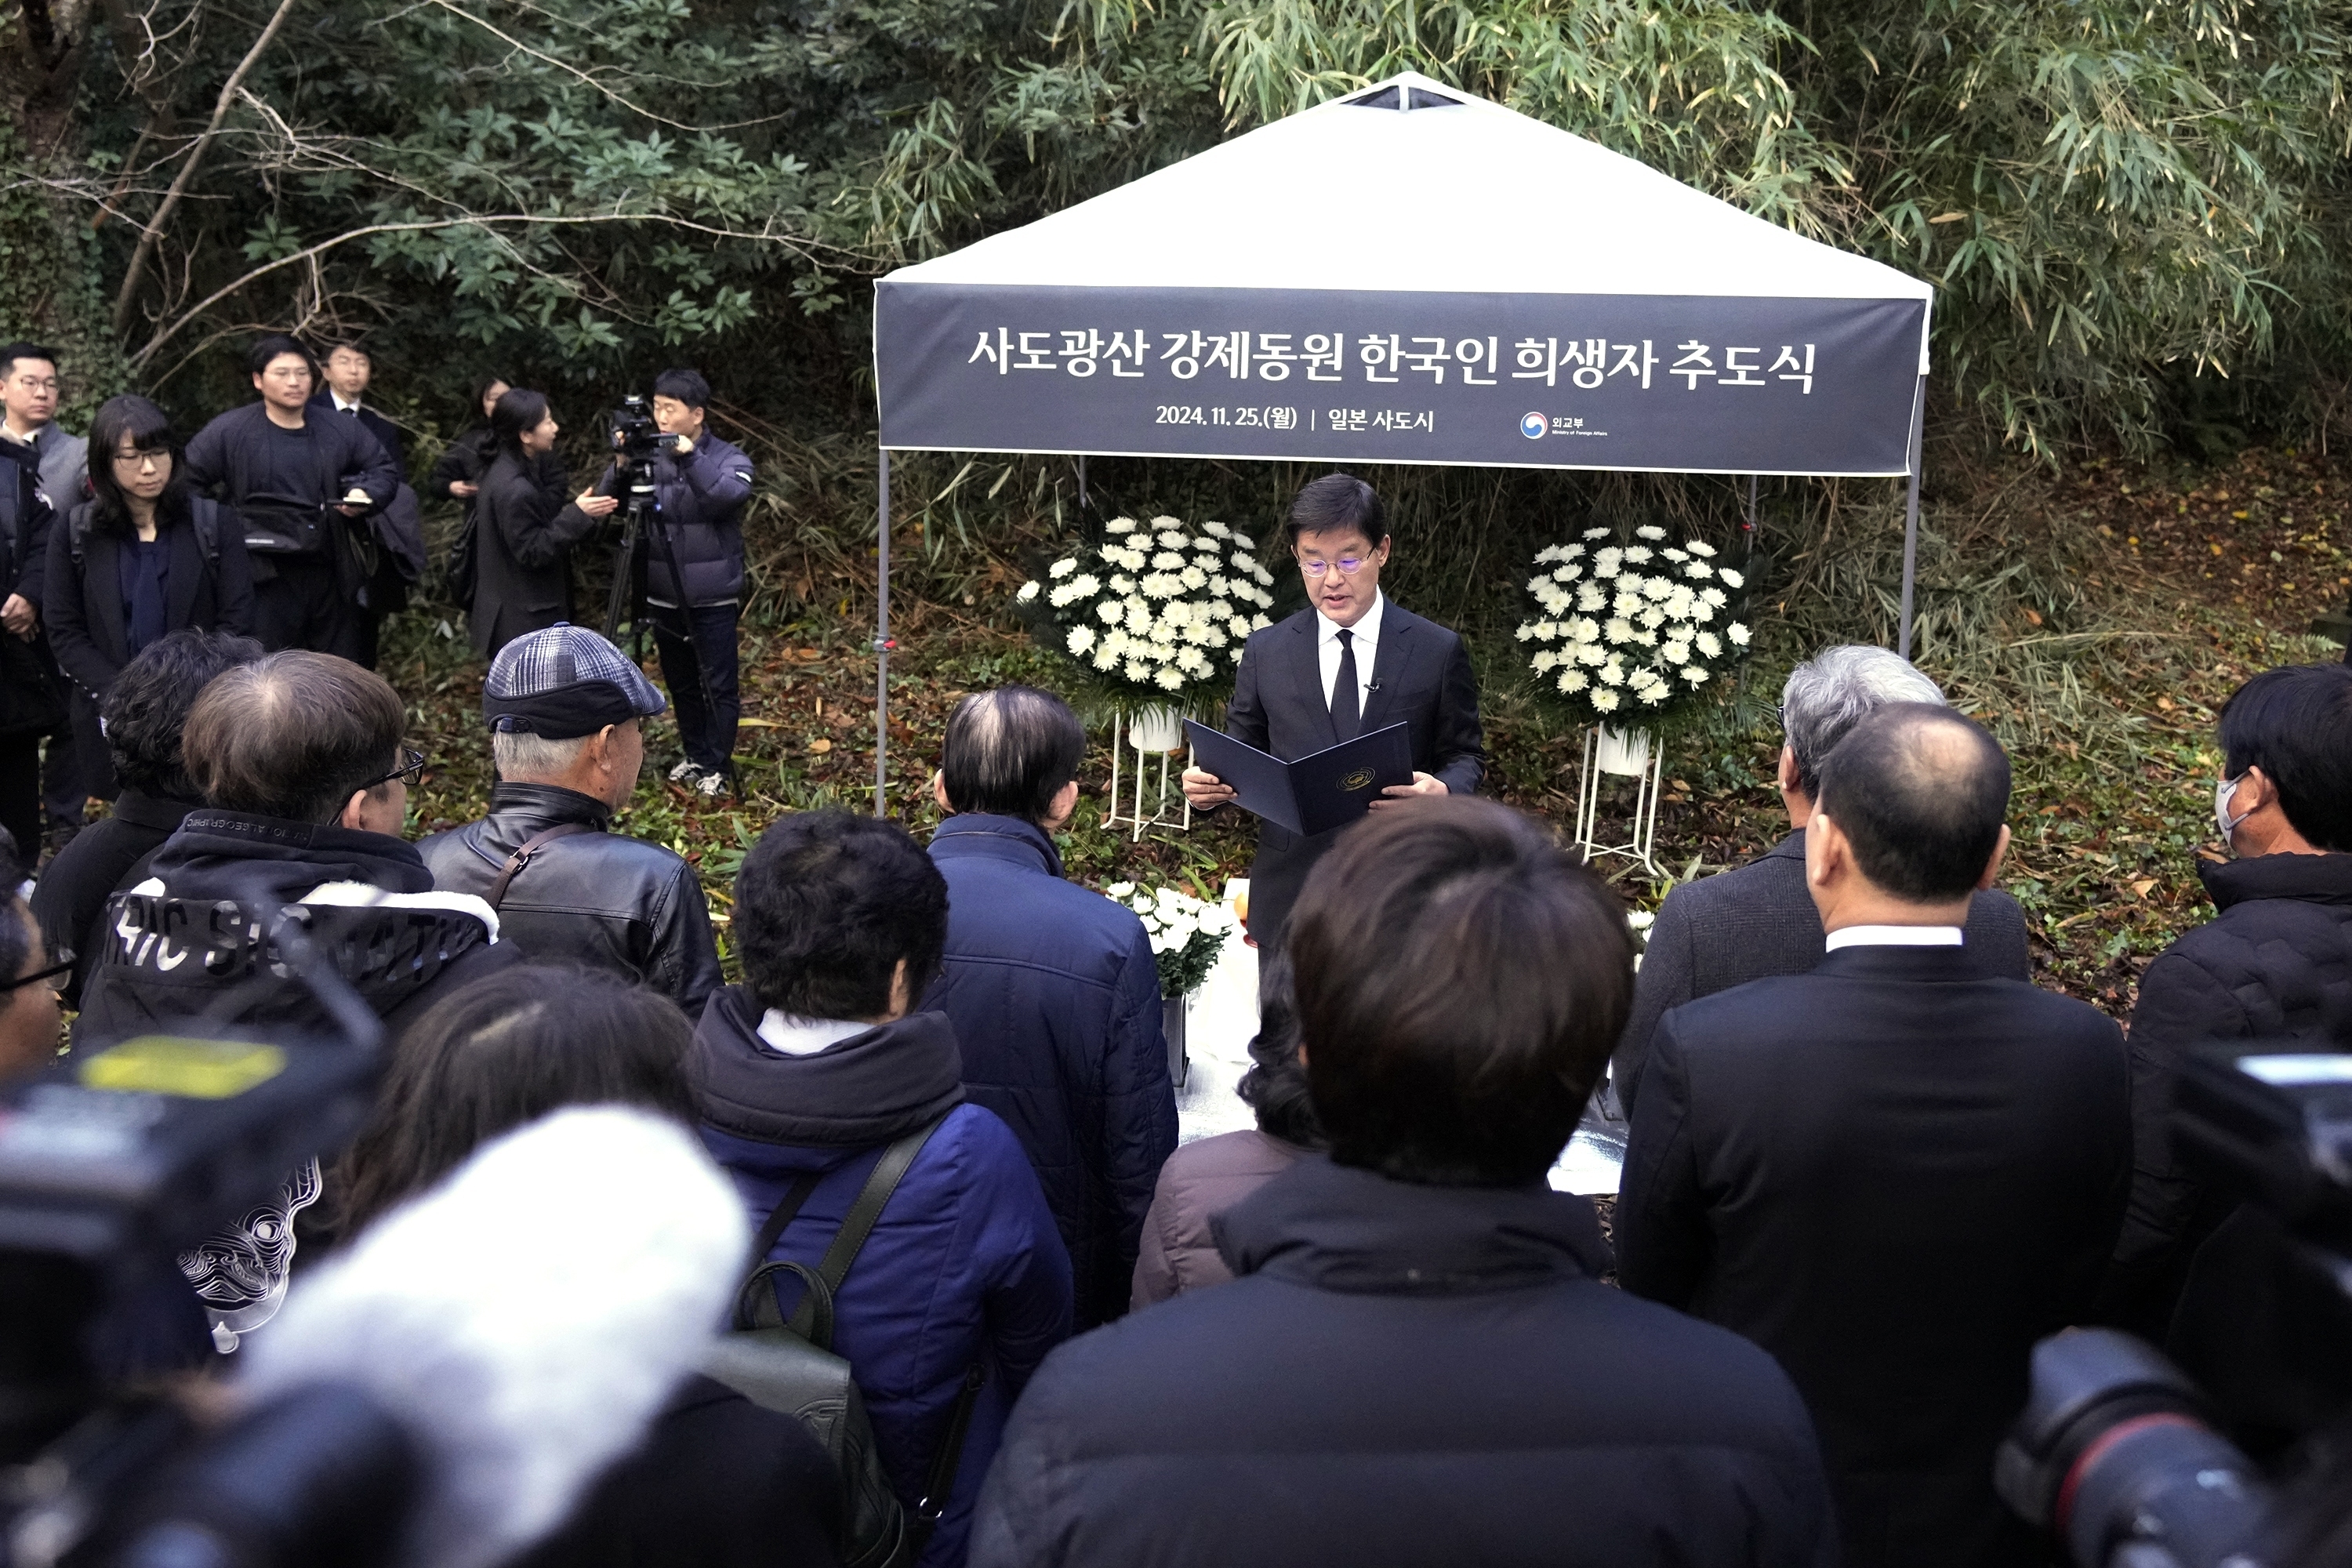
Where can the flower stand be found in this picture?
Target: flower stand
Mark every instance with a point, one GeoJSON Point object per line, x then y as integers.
{"type": "Point", "coordinates": [1171, 1024]}
{"type": "Point", "coordinates": [1623, 753]}
{"type": "Point", "coordinates": [1148, 730]}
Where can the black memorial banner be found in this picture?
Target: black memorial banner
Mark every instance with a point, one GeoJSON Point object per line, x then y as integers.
{"type": "Point", "coordinates": [1667, 382]}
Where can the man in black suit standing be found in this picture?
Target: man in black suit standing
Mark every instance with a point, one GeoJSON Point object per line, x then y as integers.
{"type": "Point", "coordinates": [1349, 664]}
{"type": "Point", "coordinates": [1741, 925]}
{"type": "Point", "coordinates": [1894, 1172]}
{"type": "Point", "coordinates": [399, 528]}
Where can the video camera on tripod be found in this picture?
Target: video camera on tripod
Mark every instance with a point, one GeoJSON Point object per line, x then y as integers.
{"type": "Point", "coordinates": [2125, 1458]}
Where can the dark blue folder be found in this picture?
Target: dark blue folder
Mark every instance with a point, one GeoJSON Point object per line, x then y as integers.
{"type": "Point", "coordinates": [1316, 794]}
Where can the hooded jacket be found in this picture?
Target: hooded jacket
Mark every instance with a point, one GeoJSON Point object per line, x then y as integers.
{"type": "Point", "coordinates": [374, 909]}
{"type": "Point", "coordinates": [964, 1267]}
{"type": "Point", "coordinates": [186, 939]}
{"type": "Point", "coordinates": [597, 898]}
{"type": "Point", "coordinates": [1055, 1000]}
{"type": "Point", "coordinates": [1410, 1375]}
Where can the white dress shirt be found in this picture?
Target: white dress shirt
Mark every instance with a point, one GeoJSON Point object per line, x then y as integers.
{"type": "Point", "coordinates": [791, 1037]}
{"type": "Point", "coordinates": [1894, 936]}
{"type": "Point", "coordinates": [340, 406]}
{"type": "Point", "coordinates": [1365, 638]}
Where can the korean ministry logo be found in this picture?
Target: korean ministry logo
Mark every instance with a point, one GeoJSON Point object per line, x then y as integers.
{"type": "Point", "coordinates": [1361, 779]}
{"type": "Point", "coordinates": [1533, 425]}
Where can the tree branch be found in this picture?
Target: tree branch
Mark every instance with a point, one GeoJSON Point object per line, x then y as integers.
{"type": "Point", "coordinates": [149, 236]}
{"type": "Point", "coordinates": [165, 334]}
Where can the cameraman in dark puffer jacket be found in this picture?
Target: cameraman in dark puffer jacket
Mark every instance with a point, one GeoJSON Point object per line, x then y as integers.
{"type": "Point", "coordinates": [810, 1072]}
{"type": "Point", "coordinates": [1417, 1363]}
{"type": "Point", "coordinates": [701, 482]}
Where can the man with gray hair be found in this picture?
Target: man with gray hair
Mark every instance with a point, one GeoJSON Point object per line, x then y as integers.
{"type": "Point", "coordinates": [566, 709]}
{"type": "Point", "coordinates": [1052, 990]}
{"type": "Point", "coordinates": [1759, 921]}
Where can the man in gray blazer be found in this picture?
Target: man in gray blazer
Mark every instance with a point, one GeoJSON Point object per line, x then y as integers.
{"type": "Point", "coordinates": [1759, 921]}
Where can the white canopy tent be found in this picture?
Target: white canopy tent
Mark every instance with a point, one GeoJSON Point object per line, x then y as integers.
{"type": "Point", "coordinates": [1408, 274]}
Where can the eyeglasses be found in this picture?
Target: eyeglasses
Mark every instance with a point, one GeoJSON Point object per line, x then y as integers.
{"type": "Point", "coordinates": [1349, 565]}
{"type": "Point", "coordinates": [411, 772]}
{"type": "Point", "coordinates": [54, 977]}
{"type": "Point", "coordinates": [143, 460]}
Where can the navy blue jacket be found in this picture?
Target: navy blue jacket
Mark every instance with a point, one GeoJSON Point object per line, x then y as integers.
{"type": "Point", "coordinates": [1407, 1375]}
{"type": "Point", "coordinates": [963, 1266]}
{"type": "Point", "coordinates": [701, 500]}
{"type": "Point", "coordinates": [1055, 1000]}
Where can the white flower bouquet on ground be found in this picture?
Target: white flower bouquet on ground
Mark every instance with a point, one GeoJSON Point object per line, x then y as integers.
{"type": "Point", "coordinates": [1187, 934]}
{"type": "Point", "coordinates": [1157, 613]}
{"type": "Point", "coordinates": [1629, 632]}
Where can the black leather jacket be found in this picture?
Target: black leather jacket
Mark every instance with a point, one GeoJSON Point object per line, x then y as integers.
{"type": "Point", "coordinates": [601, 899]}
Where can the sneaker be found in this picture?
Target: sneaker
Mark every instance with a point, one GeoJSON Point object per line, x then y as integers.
{"type": "Point", "coordinates": [687, 772]}
{"type": "Point", "coordinates": [711, 786]}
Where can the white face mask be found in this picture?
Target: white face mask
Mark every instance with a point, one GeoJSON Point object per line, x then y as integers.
{"type": "Point", "coordinates": [2222, 818]}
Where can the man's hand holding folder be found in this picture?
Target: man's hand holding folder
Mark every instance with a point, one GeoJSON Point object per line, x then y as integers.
{"type": "Point", "coordinates": [1310, 794]}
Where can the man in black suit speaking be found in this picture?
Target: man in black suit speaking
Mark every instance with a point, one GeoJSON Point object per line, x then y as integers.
{"type": "Point", "coordinates": [1349, 664]}
{"type": "Point", "coordinates": [1894, 1172]}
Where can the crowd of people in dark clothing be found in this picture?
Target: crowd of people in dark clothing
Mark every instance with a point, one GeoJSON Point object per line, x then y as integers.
{"type": "Point", "coordinates": [1869, 1164]}
{"type": "Point", "coordinates": [290, 520]}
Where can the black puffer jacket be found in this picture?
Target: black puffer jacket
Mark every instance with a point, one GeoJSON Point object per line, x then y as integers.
{"type": "Point", "coordinates": [701, 497]}
{"type": "Point", "coordinates": [1406, 1374]}
{"type": "Point", "coordinates": [597, 898]}
{"type": "Point", "coordinates": [171, 952]}
{"type": "Point", "coordinates": [2274, 962]}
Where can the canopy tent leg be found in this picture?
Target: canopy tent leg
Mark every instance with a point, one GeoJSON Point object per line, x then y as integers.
{"type": "Point", "coordinates": [1911, 521]}
{"type": "Point", "coordinates": [882, 643]}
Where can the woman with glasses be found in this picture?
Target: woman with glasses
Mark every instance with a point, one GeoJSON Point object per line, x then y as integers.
{"type": "Point", "coordinates": [144, 557]}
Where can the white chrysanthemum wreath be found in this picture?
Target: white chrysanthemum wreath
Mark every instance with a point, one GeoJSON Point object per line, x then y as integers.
{"type": "Point", "coordinates": [1630, 631]}
{"type": "Point", "coordinates": [1157, 610]}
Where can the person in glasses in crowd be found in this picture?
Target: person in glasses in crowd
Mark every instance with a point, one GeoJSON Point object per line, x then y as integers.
{"type": "Point", "coordinates": [145, 556]}
{"type": "Point", "coordinates": [306, 781]}
{"type": "Point", "coordinates": [30, 1017]}
{"type": "Point", "coordinates": [1349, 664]}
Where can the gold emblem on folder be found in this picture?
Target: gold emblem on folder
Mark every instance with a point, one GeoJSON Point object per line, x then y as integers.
{"type": "Point", "coordinates": [1361, 779]}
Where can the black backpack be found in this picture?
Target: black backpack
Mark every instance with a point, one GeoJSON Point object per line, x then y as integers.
{"type": "Point", "coordinates": [790, 1367]}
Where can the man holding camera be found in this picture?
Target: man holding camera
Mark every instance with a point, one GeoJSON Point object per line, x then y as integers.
{"type": "Point", "coordinates": [693, 577]}
{"type": "Point", "coordinates": [303, 488]}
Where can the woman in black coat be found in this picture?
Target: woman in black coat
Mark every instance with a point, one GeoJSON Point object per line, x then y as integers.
{"type": "Point", "coordinates": [146, 557]}
{"type": "Point", "coordinates": [523, 535]}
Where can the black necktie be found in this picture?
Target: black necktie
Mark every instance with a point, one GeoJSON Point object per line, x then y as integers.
{"type": "Point", "coordinates": [1347, 714]}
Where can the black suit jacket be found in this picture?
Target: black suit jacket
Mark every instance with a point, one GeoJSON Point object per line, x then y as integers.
{"type": "Point", "coordinates": [1422, 674]}
{"type": "Point", "coordinates": [1896, 1175]}
{"type": "Point", "coordinates": [386, 433]}
{"type": "Point", "coordinates": [1757, 921]}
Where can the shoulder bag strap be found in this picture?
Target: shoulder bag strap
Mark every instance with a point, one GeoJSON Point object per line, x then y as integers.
{"type": "Point", "coordinates": [523, 857]}
{"type": "Point", "coordinates": [858, 1224]}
